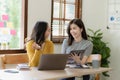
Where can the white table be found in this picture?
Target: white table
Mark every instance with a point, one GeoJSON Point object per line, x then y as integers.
{"type": "Point", "coordinates": [34, 74]}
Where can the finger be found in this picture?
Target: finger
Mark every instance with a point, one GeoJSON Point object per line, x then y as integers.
{"type": "Point", "coordinates": [75, 55]}
{"type": "Point", "coordinates": [33, 45]}
{"type": "Point", "coordinates": [72, 55]}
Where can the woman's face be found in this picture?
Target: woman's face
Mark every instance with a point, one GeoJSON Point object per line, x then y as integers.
{"type": "Point", "coordinates": [48, 31]}
{"type": "Point", "coordinates": [75, 31]}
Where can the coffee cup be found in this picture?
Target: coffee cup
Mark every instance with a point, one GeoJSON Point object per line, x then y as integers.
{"type": "Point", "coordinates": [96, 60]}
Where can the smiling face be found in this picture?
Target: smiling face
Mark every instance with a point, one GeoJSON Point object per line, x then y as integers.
{"type": "Point", "coordinates": [75, 31]}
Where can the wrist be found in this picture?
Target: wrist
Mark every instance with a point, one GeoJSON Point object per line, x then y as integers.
{"type": "Point", "coordinates": [38, 47]}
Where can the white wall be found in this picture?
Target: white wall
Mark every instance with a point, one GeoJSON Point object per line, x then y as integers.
{"type": "Point", "coordinates": [95, 17]}
{"type": "Point", "coordinates": [38, 10]}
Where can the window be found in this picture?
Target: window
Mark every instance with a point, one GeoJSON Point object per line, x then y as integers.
{"type": "Point", "coordinates": [13, 22]}
{"type": "Point", "coordinates": [63, 11]}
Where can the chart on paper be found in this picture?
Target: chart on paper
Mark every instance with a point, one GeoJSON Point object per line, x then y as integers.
{"type": "Point", "coordinates": [114, 14]}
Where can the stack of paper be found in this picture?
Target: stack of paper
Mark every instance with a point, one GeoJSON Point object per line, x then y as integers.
{"type": "Point", "coordinates": [23, 67]}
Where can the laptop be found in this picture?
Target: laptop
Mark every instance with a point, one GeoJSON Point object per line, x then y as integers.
{"type": "Point", "coordinates": [52, 61]}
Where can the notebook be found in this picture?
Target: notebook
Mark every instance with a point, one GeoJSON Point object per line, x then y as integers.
{"type": "Point", "coordinates": [23, 66]}
{"type": "Point", "coordinates": [52, 62]}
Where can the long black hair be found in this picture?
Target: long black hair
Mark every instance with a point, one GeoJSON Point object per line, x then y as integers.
{"type": "Point", "coordinates": [80, 24]}
{"type": "Point", "coordinates": [38, 33]}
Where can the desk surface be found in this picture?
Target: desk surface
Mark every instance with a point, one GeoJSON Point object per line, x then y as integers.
{"type": "Point", "coordinates": [34, 74]}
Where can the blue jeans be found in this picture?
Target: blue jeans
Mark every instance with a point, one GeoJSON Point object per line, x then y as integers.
{"type": "Point", "coordinates": [85, 77]}
{"type": "Point", "coordinates": [72, 78]}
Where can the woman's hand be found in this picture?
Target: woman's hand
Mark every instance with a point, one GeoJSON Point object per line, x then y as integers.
{"type": "Point", "coordinates": [36, 46]}
{"type": "Point", "coordinates": [76, 58]}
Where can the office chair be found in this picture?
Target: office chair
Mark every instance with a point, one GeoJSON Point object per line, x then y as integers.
{"type": "Point", "coordinates": [89, 60]}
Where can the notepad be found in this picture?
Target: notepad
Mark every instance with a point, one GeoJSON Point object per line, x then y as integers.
{"type": "Point", "coordinates": [77, 66]}
{"type": "Point", "coordinates": [23, 67]}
